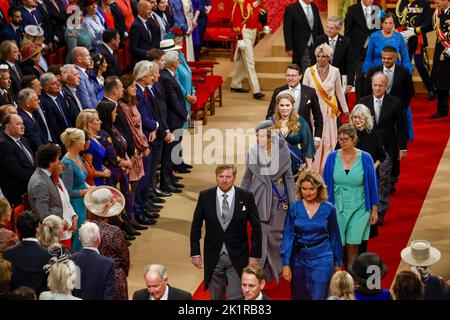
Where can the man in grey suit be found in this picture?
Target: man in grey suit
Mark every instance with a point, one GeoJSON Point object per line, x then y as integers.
{"type": "Point", "coordinates": [86, 93]}
{"type": "Point", "coordinates": [158, 288]}
{"type": "Point", "coordinates": [43, 193]}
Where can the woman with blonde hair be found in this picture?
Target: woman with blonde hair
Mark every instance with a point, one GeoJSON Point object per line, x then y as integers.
{"type": "Point", "coordinates": [326, 80]}
{"type": "Point", "coordinates": [88, 120]}
{"type": "Point", "coordinates": [62, 277]}
{"type": "Point", "coordinates": [295, 131]}
{"type": "Point", "coordinates": [342, 286]}
{"type": "Point", "coordinates": [74, 176]}
{"type": "Point", "coordinates": [7, 237]}
{"type": "Point", "coordinates": [52, 232]}
{"type": "Point", "coordinates": [311, 245]}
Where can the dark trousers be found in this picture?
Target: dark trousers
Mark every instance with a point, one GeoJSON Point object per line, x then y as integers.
{"type": "Point", "coordinates": [420, 63]}
{"type": "Point", "coordinates": [167, 164]}
{"type": "Point", "coordinates": [143, 185]}
{"type": "Point", "coordinates": [303, 59]}
{"type": "Point", "coordinates": [442, 101]}
{"type": "Point", "coordinates": [202, 23]}
{"type": "Point", "coordinates": [359, 75]}
{"type": "Point", "coordinates": [156, 152]}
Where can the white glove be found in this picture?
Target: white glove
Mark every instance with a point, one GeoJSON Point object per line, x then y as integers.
{"type": "Point", "coordinates": [241, 44]}
{"type": "Point", "coordinates": [266, 30]}
{"type": "Point", "coordinates": [408, 33]}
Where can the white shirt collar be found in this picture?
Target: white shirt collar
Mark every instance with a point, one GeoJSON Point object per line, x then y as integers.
{"type": "Point", "coordinates": [30, 239]}
{"type": "Point", "coordinates": [28, 113]}
{"type": "Point", "coordinates": [335, 38]}
{"type": "Point", "coordinates": [142, 88]}
{"type": "Point", "coordinates": [165, 296]}
{"type": "Point", "coordinates": [29, 9]}
{"type": "Point", "coordinates": [260, 296]}
{"type": "Point", "coordinates": [375, 99]}
{"type": "Point", "coordinates": [230, 193]}
{"type": "Point", "coordinates": [365, 7]}
{"type": "Point", "coordinates": [143, 21]}
{"type": "Point", "coordinates": [3, 91]}
{"type": "Point", "coordinates": [304, 5]}
{"type": "Point", "coordinates": [92, 249]}
{"type": "Point", "coordinates": [171, 72]}
{"type": "Point", "coordinates": [16, 140]}
{"type": "Point", "coordinates": [297, 87]}
{"type": "Point", "coordinates": [391, 68]}
{"type": "Point", "coordinates": [111, 100]}
{"type": "Point", "coordinates": [82, 69]}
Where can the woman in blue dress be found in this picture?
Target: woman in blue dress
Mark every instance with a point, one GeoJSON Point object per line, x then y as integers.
{"type": "Point", "coordinates": [311, 247]}
{"type": "Point", "coordinates": [295, 131]}
{"type": "Point", "coordinates": [74, 177]}
{"type": "Point", "coordinates": [96, 75]}
{"type": "Point", "coordinates": [89, 121]}
{"type": "Point", "coordinates": [387, 36]}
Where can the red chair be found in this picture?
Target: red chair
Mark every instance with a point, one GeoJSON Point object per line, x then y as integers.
{"type": "Point", "coordinates": [52, 59]}
{"type": "Point", "coordinates": [199, 109]}
{"type": "Point", "coordinates": [120, 55]}
{"type": "Point", "coordinates": [62, 53]}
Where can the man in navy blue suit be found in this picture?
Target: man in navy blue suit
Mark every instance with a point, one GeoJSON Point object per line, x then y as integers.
{"type": "Point", "coordinates": [28, 104]}
{"type": "Point", "coordinates": [97, 271]}
{"type": "Point", "coordinates": [34, 14]}
{"type": "Point", "coordinates": [141, 39]}
{"type": "Point", "coordinates": [28, 258]}
{"type": "Point", "coordinates": [10, 56]}
{"type": "Point", "coordinates": [13, 30]}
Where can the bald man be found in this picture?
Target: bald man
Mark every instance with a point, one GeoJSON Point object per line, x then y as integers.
{"type": "Point", "coordinates": [86, 93]}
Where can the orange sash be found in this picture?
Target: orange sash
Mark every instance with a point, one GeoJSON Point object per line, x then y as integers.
{"type": "Point", "coordinates": [330, 101]}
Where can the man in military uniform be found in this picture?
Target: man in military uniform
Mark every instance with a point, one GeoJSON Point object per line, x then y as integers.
{"type": "Point", "coordinates": [415, 18]}
{"type": "Point", "coordinates": [245, 19]}
{"type": "Point", "coordinates": [441, 61]}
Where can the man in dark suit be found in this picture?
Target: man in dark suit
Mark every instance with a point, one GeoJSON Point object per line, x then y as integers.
{"type": "Point", "coordinates": [360, 21]}
{"type": "Point", "coordinates": [69, 91]}
{"type": "Point", "coordinates": [306, 101]}
{"type": "Point", "coordinates": [342, 49]}
{"type": "Point", "coordinates": [28, 258]}
{"type": "Point", "coordinates": [141, 40]}
{"type": "Point", "coordinates": [28, 105]}
{"type": "Point", "coordinates": [390, 123]}
{"type": "Point", "coordinates": [226, 210]}
{"type": "Point", "coordinates": [301, 26]}
{"type": "Point", "coordinates": [154, 26]}
{"type": "Point", "coordinates": [57, 19]}
{"type": "Point", "coordinates": [11, 54]}
{"type": "Point", "coordinates": [97, 272]}
{"type": "Point", "coordinates": [55, 107]}
{"type": "Point", "coordinates": [17, 161]}
{"type": "Point", "coordinates": [157, 282]}
{"type": "Point", "coordinates": [177, 115]}
{"type": "Point", "coordinates": [253, 282]}
{"type": "Point", "coordinates": [13, 30]}
{"type": "Point", "coordinates": [111, 42]}
{"type": "Point", "coordinates": [6, 96]}
{"type": "Point", "coordinates": [35, 13]}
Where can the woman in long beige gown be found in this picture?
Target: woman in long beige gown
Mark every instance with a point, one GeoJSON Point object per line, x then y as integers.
{"type": "Point", "coordinates": [326, 80]}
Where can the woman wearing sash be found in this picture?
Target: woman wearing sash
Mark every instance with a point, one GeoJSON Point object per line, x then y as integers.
{"type": "Point", "coordinates": [326, 79]}
{"type": "Point", "coordinates": [295, 131]}
{"type": "Point", "coordinates": [269, 177]}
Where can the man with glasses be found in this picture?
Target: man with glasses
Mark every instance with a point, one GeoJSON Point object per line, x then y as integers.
{"type": "Point", "coordinates": [306, 101]}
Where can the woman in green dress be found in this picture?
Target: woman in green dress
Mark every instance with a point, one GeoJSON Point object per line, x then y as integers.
{"type": "Point", "coordinates": [349, 174]}
{"type": "Point", "coordinates": [295, 131]}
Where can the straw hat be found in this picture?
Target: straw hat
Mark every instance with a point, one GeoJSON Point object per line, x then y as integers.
{"type": "Point", "coordinates": [34, 31]}
{"type": "Point", "coordinates": [169, 45]}
{"type": "Point", "coordinates": [29, 51]}
{"type": "Point", "coordinates": [104, 201]}
{"type": "Point", "coordinates": [420, 253]}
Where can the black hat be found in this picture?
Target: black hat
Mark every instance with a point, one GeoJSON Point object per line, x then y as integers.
{"type": "Point", "coordinates": [360, 270]}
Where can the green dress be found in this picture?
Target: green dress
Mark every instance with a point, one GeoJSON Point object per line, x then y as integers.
{"type": "Point", "coordinates": [353, 219]}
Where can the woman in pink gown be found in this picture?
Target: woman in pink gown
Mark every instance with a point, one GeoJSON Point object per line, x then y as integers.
{"type": "Point", "coordinates": [326, 80]}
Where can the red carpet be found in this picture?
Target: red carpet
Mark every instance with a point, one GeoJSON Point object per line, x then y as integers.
{"type": "Point", "coordinates": [417, 171]}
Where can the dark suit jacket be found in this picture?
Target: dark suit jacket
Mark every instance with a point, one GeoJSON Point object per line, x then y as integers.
{"type": "Point", "coordinates": [140, 41]}
{"type": "Point", "coordinates": [57, 19]}
{"type": "Point", "coordinates": [174, 294]}
{"type": "Point", "coordinates": [113, 65]}
{"type": "Point", "coordinates": [148, 122]}
{"type": "Point", "coordinates": [156, 107]}
{"type": "Point", "coordinates": [356, 28]}
{"type": "Point", "coordinates": [16, 170]}
{"type": "Point", "coordinates": [28, 259]}
{"type": "Point", "coordinates": [309, 103]}
{"type": "Point", "coordinates": [74, 109]}
{"type": "Point", "coordinates": [342, 57]}
{"type": "Point", "coordinates": [55, 120]}
{"type": "Point", "coordinates": [9, 34]}
{"type": "Point", "coordinates": [97, 276]}
{"type": "Point", "coordinates": [402, 84]}
{"type": "Point", "coordinates": [7, 99]}
{"type": "Point", "coordinates": [16, 78]}
{"type": "Point", "coordinates": [119, 20]}
{"type": "Point", "coordinates": [156, 33]}
{"type": "Point", "coordinates": [33, 132]}
{"type": "Point", "coordinates": [297, 30]}
{"type": "Point", "coordinates": [392, 125]}
{"type": "Point", "coordinates": [42, 19]}
{"type": "Point", "coordinates": [176, 106]}
{"type": "Point", "coordinates": [235, 236]}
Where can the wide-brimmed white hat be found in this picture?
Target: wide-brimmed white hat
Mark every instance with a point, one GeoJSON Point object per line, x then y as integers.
{"type": "Point", "coordinates": [104, 201]}
{"type": "Point", "coordinates": [34, 31]}
{"type": "Point", "coordinates": [420, 253]}
{"type": "Point", "coordinates": [169, 45]}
